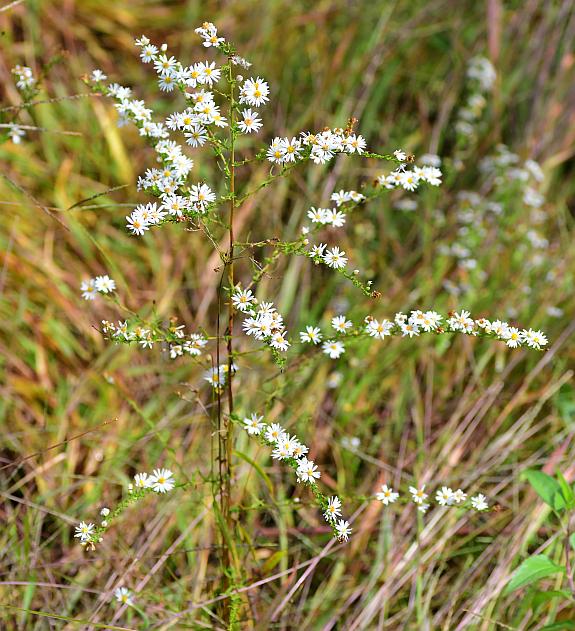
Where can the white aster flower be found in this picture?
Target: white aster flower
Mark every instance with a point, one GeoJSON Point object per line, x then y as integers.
{"type": "Point", "coordinates": [124, 596]}
{"type": "Point", "coordinates": [104, 284]}
{"type": "Point", "coordinates": [534, 339]}
{"type": "Point", "coordinates": [387, 495]}
{"type": "Point", "coordinates": [334, 217]}
{"type": "Point", "coordinates": [88, 289]}
{"type": "Point", "coordinates": [250, 122]}
{"type": "Point", "coordinates": [341, 198]}
{"type": "Point", "coordinates": [142, 480]}
{"type": "Point", "coordinates": [162, 480]}
{"type": "Point", "coordinates": [208, 73]}
{"type": "Point", "coordinates": [409, 180]}
{"type": "Point", "coordinates": [97, 75]}
{"type": "Point", "coordinates": [254, 92]}
{"type": "Point", "coordinates": [253, 424]}
{"type": "Point", "coordinates": [333, 348]}
{"type": "Point", "coordinates": [137, 224]}
{"type": "Point", "coordinates": [196, 136]}
{"type": "Point", "coordinates": [418, 494]}
{"type": "Point", "coordinates": [84, 531]}
{"type": "Point", "coordinates": [202, 195]}
{"type": "Point", "coordinates": [311, 334]}
{"type": "Point", "coordinates": [307, 471]}
{"type": "Point", "coordinates": [317, 215]}
{"type": "Point", "coordinates": [341, 324]}
{"type": "Point", "coordinates": [379, 329]}
{"type": "Point", "coordinates": [512, 337]}
{"type": "Point", "coordinates": [335, 258]}
{"type": "Point", "coordinates": [479, 502]}
{"type": "Point", "coordinates": [343, 530]}
{"type": "Point", "coordinates": [317, 250]}
{"type": "Point", "coordinates": [444, 497]}
{"type": "Point", "coordinates": [333, 510]}
{"type": "Point", "coordinates": [243, 299]}
{"type": "Point", "coordinates": [459, 496]}
{"type": "Point", "coordinates": [165, 66]}
{"type": "Point", "coordinates": [274, 433]}
{"type": "Point", "coordinates": [409, 329]}
{"type": "Point", "coordinates": [279, 341]}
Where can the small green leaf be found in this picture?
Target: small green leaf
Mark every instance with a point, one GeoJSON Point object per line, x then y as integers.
{"type": "Point", "coordinates": [275, 558]}
{"type": "Point", "coordinates": [546, 487]}
{"type": "Point", "coordinates": [263, 475]}
{"type": "Point", "coordinates": [566, 490]}
{"type": "Point", "coordinates": [532, 569]}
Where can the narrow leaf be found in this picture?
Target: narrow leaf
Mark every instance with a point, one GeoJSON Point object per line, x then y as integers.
{"type": "Point", "coordinates": [566, 490]}
{"type": "Point", "coordinates": [532, 569]}
{"type": "Point", "coordinates": [546, 487]}
{"type": "Point", "coordinates": [263, 475]}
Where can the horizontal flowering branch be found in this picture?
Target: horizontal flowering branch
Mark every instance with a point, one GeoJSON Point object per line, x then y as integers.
{"type": "Point", "coordinates": [149, 334]}
{"type": "Point", "coordinates": [263, 323]}
{"type": "Point", "coordinates": [292, 452]}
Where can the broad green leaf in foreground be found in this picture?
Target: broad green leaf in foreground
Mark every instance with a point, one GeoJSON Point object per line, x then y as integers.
{"type": "Point", "coordinates": [532, 569]}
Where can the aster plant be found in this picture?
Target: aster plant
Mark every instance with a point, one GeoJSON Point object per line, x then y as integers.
{"type": "Point", "coordinates": [220, 106]}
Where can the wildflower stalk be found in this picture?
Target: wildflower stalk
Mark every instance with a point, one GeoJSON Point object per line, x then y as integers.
{"type": "Point", "coordinates": [419, 571]}
{"type": "Point", "coordinates": [225, 426]}
{"type": "Point", "coordinates": [230, 262]}
{"type": "Point", "coordinates": [202, 209]}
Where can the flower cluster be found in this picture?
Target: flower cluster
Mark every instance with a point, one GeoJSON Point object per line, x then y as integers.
{"type": "Point", "coordinates": [327, 216]}
{"type": "Point", "coordinates": [430, 322]}
{"type": "Point", "coordinates": [159, 481]}
{"type": "Point", "coordinates": [418, 322]}
{"type": "Point", "coordinates": [332, 257]}
{"type": "Point", "coordinates": [99, 285]}
{"type": "Point", "coordinates": [333, 348]}
{"type": "Point", "coordinates": [507, 181]}
{"type": "Point", "coordinates": [319, 148]}
{"type": "Point", "coordinates": [177, 200]}
{"type": "Point", "coordinates": [172, 205]}
{"type": "Point", "coordinates": [209, 33]}
{"type": "Point", "coordinates": [505, 169]}
{"type": "Point", "coordinates": [24, 77]}
{"type": "Point", "coordinates": [410, 179]}
{"type": "Point", "coordinates": [289, 449]}
{"type": "Point", "coordinates": [482, 77]}
{"type": "Point", "coordinates": [263, 321]}
{"type": "Point", "coordinates": [443, 497]}
{"type": "Point", "coordinates": [178, 343]}
{"type": "Point", "coordinates": [426, 160]}
{"type": "Point", "coordinates": [342, 197]}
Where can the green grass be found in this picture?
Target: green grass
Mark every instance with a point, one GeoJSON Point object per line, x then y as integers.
{"type": "Point", "coordinates": [80, 416]}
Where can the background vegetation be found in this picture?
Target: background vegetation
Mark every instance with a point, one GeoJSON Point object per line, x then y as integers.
{"type": "Point", "coordinates": [80, 416]}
